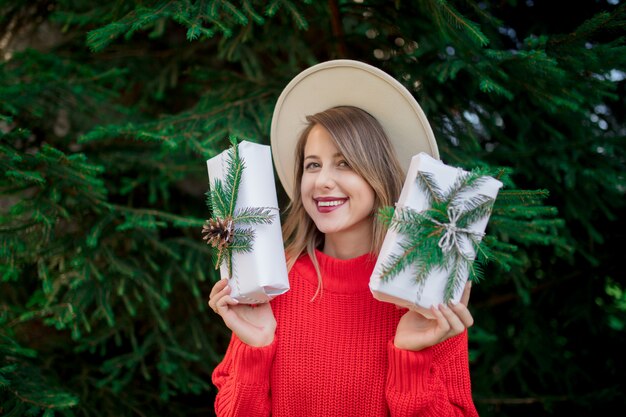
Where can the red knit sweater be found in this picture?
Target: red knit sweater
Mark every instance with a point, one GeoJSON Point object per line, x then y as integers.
{"type": "Point", "coordinates": [335, 356]}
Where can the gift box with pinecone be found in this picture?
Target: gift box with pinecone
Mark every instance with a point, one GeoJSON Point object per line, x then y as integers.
{"type": "Point", "coordinates": [244, 230]}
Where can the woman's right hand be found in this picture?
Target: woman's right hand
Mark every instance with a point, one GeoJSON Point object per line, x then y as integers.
{"type": "Point", "coordinates": [253, 325]}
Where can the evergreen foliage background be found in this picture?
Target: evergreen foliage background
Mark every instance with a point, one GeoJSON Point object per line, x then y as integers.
{"type": "Point", "coordinates": [108, 111]}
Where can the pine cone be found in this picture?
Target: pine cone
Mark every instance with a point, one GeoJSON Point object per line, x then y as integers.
{"type": "Point", "coordinates": [218, 232]}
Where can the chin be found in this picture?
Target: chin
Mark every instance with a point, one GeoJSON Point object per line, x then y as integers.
{"type": "Point", "coordinates": [327, 230]}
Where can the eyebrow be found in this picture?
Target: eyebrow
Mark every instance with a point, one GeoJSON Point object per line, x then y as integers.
{"type": "Point", "coordinates": [338, 154]}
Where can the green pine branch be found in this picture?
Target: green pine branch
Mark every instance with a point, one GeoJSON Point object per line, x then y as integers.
{"type": "Point", "coordinates": [203, 19]}
{"type": "Point", "coordinates": [233, 177]}
{"type": "Point", "coordinates": [254, 215]}
{"type": "Point", "coordinates": [243, 240]}
{"type": "Point", "coordinates": [217, 202]}
{"type": "Point", "coordinates": [427, 181]}
{"type": "Point", "coordinates": [475, 208]}
{"type": "Point", "coordinates": [447, 14]}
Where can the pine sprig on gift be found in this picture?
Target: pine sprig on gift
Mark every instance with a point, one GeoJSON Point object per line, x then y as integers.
{"type": "Point", "coordinates": [431, 237]}
{"type": "Point", "coordinates": [217, 200]}
{"type": "Point", "coordinates": [426, 180]}
{"type": "Point", "coordinates": [243, 241]}
{"type": "Point", "coordinates": [254, 215]}
{"type": "Point", "coordinates": [477, 207]}
{"type": "Point", "coordinates": [222, 231]}
{"type": "Point", "coordinates": [223, 195]}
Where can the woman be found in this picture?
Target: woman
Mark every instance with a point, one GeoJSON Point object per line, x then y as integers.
{"type": "Point", "coordinates": [327, 347]}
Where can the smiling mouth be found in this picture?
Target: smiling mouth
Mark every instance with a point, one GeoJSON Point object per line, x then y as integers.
{"type": "Point", "coordinates": [330, 203]}
{"type": "Point", "coordinates": [326, 205]}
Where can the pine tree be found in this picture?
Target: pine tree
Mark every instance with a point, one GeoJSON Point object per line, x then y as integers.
{"type": "Point", "coordinates": [109, 110]}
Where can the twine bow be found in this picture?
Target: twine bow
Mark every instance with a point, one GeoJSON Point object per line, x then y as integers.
{"type": "Point", "coordinates": [450, 238]}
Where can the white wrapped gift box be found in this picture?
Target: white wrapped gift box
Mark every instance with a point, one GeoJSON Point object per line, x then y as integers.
{"type": "Point", "coordinates": [261, 274]}
{"type": "Point", "coordinates": [403, 289]}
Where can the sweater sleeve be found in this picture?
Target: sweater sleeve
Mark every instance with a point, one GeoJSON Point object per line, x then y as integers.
{"type": "Point", "coordinates": [243, 380]}
{"type": "Point", "coordinates": [431, 382]}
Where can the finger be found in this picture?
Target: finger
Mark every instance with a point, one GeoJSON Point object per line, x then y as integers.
{"type": "Point", "coordinates": [463, 313]}
{"type": "Point", "coordinates": [442, 322]}
{"type": "Point", "coordinates": [223, 303]}
{"type": "Point", "coordinates": [215, 297]}
{"type": "Point", "coordinates": [466, 293]}
{"type": "Point", "coordinates": [219, 286]}
{"type": "Point", "coordinates": [456, 325]}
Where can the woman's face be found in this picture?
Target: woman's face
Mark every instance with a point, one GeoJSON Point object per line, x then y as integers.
{"type": "Point", "coordinates": [337, 199]}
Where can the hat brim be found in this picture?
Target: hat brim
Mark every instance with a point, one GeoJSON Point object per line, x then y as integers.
{"type": "Point", "coordinates": [348, 83]}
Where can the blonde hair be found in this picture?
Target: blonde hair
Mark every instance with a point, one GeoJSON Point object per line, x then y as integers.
{"type": "Point", "coordinates": [363, 143]}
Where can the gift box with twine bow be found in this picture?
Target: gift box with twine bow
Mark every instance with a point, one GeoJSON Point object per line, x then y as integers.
{"type": "Point", "coordinates": [434, 233]}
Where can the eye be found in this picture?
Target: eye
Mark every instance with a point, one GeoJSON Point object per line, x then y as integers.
{"type": "Point", "coordinates": [311, 165]}
{"type": "Point", "coordinates": [344, 164]}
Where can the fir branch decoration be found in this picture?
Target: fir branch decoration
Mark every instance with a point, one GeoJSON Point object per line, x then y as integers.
{"type": "Point", "coordinates": [221, 231]}
{"type": "Point", "coordinates": [435, 238]}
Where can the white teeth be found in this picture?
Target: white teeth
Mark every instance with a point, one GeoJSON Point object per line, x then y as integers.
{"type": "Point", "coordinates": [329, 203]}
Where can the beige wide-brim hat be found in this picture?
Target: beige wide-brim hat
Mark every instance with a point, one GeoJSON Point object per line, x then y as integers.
{"type": "Point", "coordinates": [348, 83]}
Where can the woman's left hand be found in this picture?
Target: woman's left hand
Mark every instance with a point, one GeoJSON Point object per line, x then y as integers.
{"type": "Point", "coordinates": [416, 332]}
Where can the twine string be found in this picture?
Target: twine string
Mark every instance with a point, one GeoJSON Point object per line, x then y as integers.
{"type": "Point", "coordinates": [234, 278]}
{"type": "Point", "coordinates": [450, 238]}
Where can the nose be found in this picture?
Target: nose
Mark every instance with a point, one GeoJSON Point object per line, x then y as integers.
{"type": "Point", "coordinates": [325, 178]}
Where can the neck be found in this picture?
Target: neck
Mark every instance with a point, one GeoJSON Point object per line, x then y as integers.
{"type": "Point", "coordinates": [348, 244]}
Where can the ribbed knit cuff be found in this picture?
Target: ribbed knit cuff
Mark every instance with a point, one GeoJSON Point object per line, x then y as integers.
{"type": "Point", "coordinates": [253, 364]}
{"type": "Point", "coordinates": [408, 370]}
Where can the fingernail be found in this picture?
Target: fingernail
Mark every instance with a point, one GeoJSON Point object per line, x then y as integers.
{"type": "Point", "coordinates": [452, 303]}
